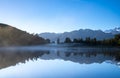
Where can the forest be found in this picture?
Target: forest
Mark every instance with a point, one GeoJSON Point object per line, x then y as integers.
{"type": "Point", "coordinates": [93, 41]}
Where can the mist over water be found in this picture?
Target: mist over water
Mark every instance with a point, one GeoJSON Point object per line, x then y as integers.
{"type": "Point", "coordinates": [51, 61]}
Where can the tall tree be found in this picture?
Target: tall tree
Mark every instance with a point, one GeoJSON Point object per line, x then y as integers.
{"type": "Point", "coordinates": [67, 40]}
{"type": "Point", "coordinates": [58, 41]}
{"type": "Point", "coordinates": [87, 40]}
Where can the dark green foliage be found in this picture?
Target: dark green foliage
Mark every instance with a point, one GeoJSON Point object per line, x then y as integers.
{"type": "Point", "coordinates": [67, 40]}
{"type": "Point", "coordinates": [87, 40]}
{"type": "Point", "coordinates": [48, 40]}
{"type": "Point", "coordinates": [109, 42]}
{"type": "Point", "coordinates": [119, 42]}
{"type": "Point", "coordinates": [117, 39]}
{"type": "Point", "coordinates": [77, 40]}
{"type": "Point", "coordinates": [94, 40]}
{"type": "Point", "coordinates": [114, 42]}
{"type": "Point", "coordinates": [10, 36]}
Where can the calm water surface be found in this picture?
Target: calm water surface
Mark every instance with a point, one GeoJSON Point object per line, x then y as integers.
{"type": "Point", "coordinates": [59, 62]}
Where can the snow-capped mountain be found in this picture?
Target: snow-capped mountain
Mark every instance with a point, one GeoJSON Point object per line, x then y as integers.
{"type": "Point", "coordinates": [113, 31]}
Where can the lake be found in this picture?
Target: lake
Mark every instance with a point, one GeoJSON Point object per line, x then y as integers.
{"type": "Point", "coordinates": [59, 61]}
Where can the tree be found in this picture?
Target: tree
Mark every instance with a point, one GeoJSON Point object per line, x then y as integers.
{"type": "Point", "coordinates": [93, 41]}
{"type": "Point", "coordinates": [87, 40]}
{"type": "Point", "coordinates": [48, 40]}
{"type": "Point", "coordinates": [80, 40]}
{"type": "Point", "coordinates": [119, 42]}
{"type": "Point", "coordinates": [67, 40]}
{"type": "Point", "coordinates": [117, 39]}
{"type": "Point", "coordinates": [75, 41]}
{"type": "Point", "coordinates": [58, 41]}
{"type": "Point", "coordinates": [117, 36]}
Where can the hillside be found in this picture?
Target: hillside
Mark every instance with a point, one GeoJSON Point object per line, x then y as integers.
{"type": "Point", "coordinates": [82, 33]}
{"type": "Point", "coordinates": [11, 36]}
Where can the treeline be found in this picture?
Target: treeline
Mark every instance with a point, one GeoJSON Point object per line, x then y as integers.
{"type": "Point", "coordinates": [93, 41]}
{"type": "Point", "coordinates": [10, 36]}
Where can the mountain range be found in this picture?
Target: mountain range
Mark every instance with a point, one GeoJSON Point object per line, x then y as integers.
{"type": "Point", "coordinates": [113, 31]}
{"type": "Point", "coordinates": [11, 36]}
{"type": "Point", "coordinates": [82, 33]}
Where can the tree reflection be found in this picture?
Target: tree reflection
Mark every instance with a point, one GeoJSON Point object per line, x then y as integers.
{"type": "Point", "coordinates": [13, 57]}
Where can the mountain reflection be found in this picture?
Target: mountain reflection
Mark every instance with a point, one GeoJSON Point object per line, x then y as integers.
{"type": "Point", "coordinates": [10, 57]}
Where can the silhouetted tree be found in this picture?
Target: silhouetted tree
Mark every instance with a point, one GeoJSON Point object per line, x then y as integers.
{"type": "Point", "coordinates": [87, 40]}
{"type": "Point", "coordinates": [67, 40]}
{"type": "Point", "coordinates": [48, 40]}
{"type": "Point", "coordinates": [119, 42]}
{"type": "Point", "coordinates": [117, 36]}
{"type": "Point", "coordinates": [75, 41]}
{"type": "Point", "coordinates": [93, 41]}
{"type": "Point", "coordinates": [58, 41]}
{"type": "Point", "coordinates": [117, 39]}
{"type": "Point", "coordinates": [78, 40]}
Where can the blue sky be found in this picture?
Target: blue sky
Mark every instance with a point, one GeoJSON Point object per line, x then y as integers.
{"type": "Point", "coordinates": [36, 16]}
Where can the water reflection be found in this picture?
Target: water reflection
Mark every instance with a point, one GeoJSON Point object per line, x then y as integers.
{"type": "Point", "coordinates": [11, 57]}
